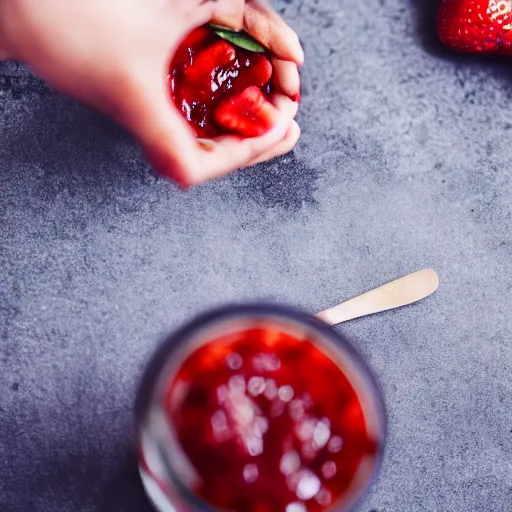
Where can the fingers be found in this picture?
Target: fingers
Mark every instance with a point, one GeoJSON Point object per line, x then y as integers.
{"type": "Point", "coordinates": [246, 152]}
{"type": "Point", "coordinates": [286, 78]}
{"type": "Point", "coordinates": [284, 104]}
{"type": "Point", "coordinates": [268, 27]}
{"type": "Point", "coordinates": [173, 150]}
{"type": "Point", "coordinates": [265, 25]}
{"type": "Point", "coordinates": [189, 14]}
{"type": "Point", "coordinates": [171, 146]}
{"type": "Point", "coordinates": [288, 109]}
{"type": "Point", "coordinates": [229, 13]}
{"type": "Point", "coordinates": [225, 154]}
{"type": "Point", "coordinates": [285, 146]}
{"type": "Point", "coordinates": [167, 138]}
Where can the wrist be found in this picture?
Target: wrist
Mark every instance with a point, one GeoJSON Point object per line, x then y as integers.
{"type": "Point", "coordinates": [6, 51]}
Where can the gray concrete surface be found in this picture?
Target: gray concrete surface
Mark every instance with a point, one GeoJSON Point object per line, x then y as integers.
{"type": "Point", "coordinates": [405, 162]}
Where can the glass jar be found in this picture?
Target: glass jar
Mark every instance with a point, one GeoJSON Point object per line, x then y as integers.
{"type": "Point", "coordinates": [258, 407]}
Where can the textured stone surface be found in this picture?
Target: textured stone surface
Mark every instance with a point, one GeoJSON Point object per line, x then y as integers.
{"type": "Point", "coordinates": [404, 163]}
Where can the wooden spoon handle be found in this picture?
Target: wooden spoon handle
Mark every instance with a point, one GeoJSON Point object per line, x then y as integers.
{"type": "Point", "coordinates": [403, 291]}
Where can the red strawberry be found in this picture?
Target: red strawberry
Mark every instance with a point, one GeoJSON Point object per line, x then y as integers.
{"type": "Point", "coordinates": [476, 26]}
{"type": "Point", "coordinates": [196, 38]}
{"type": "Point", "coordinates": [248, 113]}
{"type": "Point", "coordinates": [207, 62]}
{"type": "Point", "coordinates": [254, 70]}
{"type": "Point", "coordinates": [207, 70]}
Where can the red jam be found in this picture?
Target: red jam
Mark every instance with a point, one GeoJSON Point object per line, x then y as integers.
{"type": "Point", "coordinates": [206, 71]}
{"type": "Point", "coordinates": [269, 423]}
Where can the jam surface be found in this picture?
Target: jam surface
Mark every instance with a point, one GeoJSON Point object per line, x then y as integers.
{"type": "Point", "coordinates": [269, 424]}
{"type": "Point", "coordinates": [206, 71]}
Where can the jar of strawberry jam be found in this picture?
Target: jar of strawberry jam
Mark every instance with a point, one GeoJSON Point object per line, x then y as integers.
{"type": "Point", "coordinates": [258, 408]}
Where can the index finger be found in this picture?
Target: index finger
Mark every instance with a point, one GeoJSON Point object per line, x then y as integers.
{"type": "Point", "coordinates": [229, 13]}
{"type": "Point", "coordinates": [267, 26]}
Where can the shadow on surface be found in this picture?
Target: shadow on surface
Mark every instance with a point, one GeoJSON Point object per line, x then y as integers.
{"type": "Point", "coordinates": [425, 13]}
{"type": "Point", "coordinates": [73, 468]}
{"type": "Point", "coordinates": [286, 183]}
{"type": "Point", "coordinates": [124, 492]}
{"type": "Point", "coordinates": [62, 143]}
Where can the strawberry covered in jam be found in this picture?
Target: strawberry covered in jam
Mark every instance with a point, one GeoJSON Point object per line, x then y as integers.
{"type": "Point", "coordinates": [222, 88]}
{"type": "Point", "coordinates": [269, 424]}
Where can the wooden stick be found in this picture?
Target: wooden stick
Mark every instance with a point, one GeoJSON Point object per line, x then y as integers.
{"type": "Point", "coordinates": [403, 291]}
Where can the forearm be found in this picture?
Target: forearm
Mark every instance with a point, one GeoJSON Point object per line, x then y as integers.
{"type": "Point", "coordinates": [5, 46]}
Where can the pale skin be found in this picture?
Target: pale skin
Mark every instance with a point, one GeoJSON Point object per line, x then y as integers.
{"type": "Point", "coordinates": [114, 55]}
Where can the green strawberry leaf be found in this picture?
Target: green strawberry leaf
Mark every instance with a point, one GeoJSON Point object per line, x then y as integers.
{"type": "Point", "coordinates": [241, 39]}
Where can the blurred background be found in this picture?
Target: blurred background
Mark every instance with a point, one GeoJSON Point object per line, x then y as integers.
{"type": "Point", "coordinates": [404, 163]}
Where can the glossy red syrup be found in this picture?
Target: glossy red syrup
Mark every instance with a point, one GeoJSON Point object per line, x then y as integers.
{"type": "Point", "coordinates": [206, 71]}
{"type": "Point", "coordinates": [269, 423]}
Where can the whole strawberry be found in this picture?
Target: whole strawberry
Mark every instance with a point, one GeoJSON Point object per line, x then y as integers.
{"type": "Point", "coordinates": [476, 26]}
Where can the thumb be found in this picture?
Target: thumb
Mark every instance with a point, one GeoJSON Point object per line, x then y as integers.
{"type": "Point", "coordinates": [166, 138]}
{"type": "Point", "coordinates": [188, 15]}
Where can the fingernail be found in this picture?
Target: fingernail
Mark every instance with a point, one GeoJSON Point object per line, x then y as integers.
{"type": "Point", "coordinates": [295, 97]}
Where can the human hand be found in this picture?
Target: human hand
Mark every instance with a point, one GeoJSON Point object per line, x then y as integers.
{"type": "Point", "coordinates": [114, 56]}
